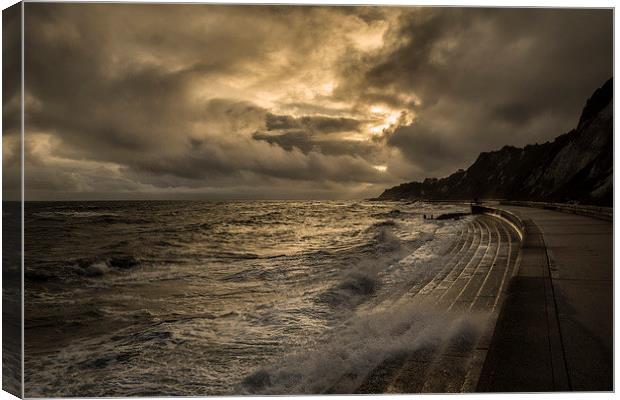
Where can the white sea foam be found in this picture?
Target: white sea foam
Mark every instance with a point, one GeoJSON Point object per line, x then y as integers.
{"type": "Point", "coordinates": [343, 358]}
{"type": "Point", "coordinates": [97, 269]}
{"type": "Point", "coordinates": [390, 326]}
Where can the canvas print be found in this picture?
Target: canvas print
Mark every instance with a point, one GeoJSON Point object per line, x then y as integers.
{"type": "Point", "coordinates": [204, 199]}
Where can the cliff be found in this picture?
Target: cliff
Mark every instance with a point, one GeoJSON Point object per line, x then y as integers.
{"type": "Point", "coordinates": [575, 167]}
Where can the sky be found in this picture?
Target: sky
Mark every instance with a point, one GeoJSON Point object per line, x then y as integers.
{"type": "Point", "coordinates": [174, 101]}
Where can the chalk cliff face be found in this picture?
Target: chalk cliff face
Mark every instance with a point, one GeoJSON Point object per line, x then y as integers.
{"type": "Point", "coordinates": [575, 167]}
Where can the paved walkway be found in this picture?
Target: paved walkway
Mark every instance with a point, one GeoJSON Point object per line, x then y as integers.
{"type": "Point", "coordinates": [555, 331]}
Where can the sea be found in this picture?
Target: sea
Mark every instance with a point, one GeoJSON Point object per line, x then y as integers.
{"type": "Point", "coordinates": [195, 298]}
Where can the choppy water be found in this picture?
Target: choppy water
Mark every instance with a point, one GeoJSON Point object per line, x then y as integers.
{"type": "Point", "coordinates": [200, 298]}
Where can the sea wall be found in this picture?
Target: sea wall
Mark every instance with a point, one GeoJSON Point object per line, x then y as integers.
{"type": "Point", "coordinates": [604, 213]}
{"type": "Point", "coordinates": [513, 220]}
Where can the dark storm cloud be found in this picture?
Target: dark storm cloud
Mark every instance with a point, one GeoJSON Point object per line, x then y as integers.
{"type": "Point", "coordinates": [424, 147]}
{"type": "Point", "coordinates": [315, 133]}
{"type": "Point", "coordinates": [481, 78]}
{"type": "Point", "coordinates": [514, 113]}
{"type": "Point", "coordinates": [306, 142]}
{"type": "Point", "coordinates": [11, 103]}
{"type": "Point", "coordinates": [472, 53]}
{"type": "Point", "coordinates": [245, 99]}
{"type": "Point", "coordinates": [11, 69]}
{"type": "Point", "coordinates": [290, 140]}
{"type": "Point", "coordinates": [319, 123]}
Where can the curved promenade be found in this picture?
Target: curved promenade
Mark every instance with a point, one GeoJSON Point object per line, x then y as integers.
{"type": "Point", "coordinates": [555, 328]}
{"type": "Point", "coordinates": [473, 279]}
{"type": "Point", "coordinates": [544, 279]}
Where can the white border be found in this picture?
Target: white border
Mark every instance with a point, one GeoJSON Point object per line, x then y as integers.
{"type": "Point", "coordinates": [468, 3]}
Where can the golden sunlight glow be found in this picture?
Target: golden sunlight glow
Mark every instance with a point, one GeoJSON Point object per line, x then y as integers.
{"type": "Point", "coordinates": [381, 168]}
{"type": "Point", "coordinates": [328, 88]}
{"type": "Point", "coordinates": [377, 129]}
{"type": "Point", "coordinates": [355, 136]}
{"type": "Point", "coordinates": [384, 118]}
{"type": "Point", "coordinates": [392, 118]}
{"type": "Point", "coordinates": [376, 109]}
{"type": "Point", "coordinates": [369, 37]}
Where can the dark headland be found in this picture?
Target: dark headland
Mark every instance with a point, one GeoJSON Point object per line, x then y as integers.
{"type": "Point", "coordinates": [576, 167]}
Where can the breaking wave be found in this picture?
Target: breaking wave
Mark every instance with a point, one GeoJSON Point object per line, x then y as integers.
{"type": "Point", "coordinates": [341, 360]}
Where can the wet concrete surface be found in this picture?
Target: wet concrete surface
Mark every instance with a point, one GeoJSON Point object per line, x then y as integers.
{"type": "Point", "coordinates": [555, 329]}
